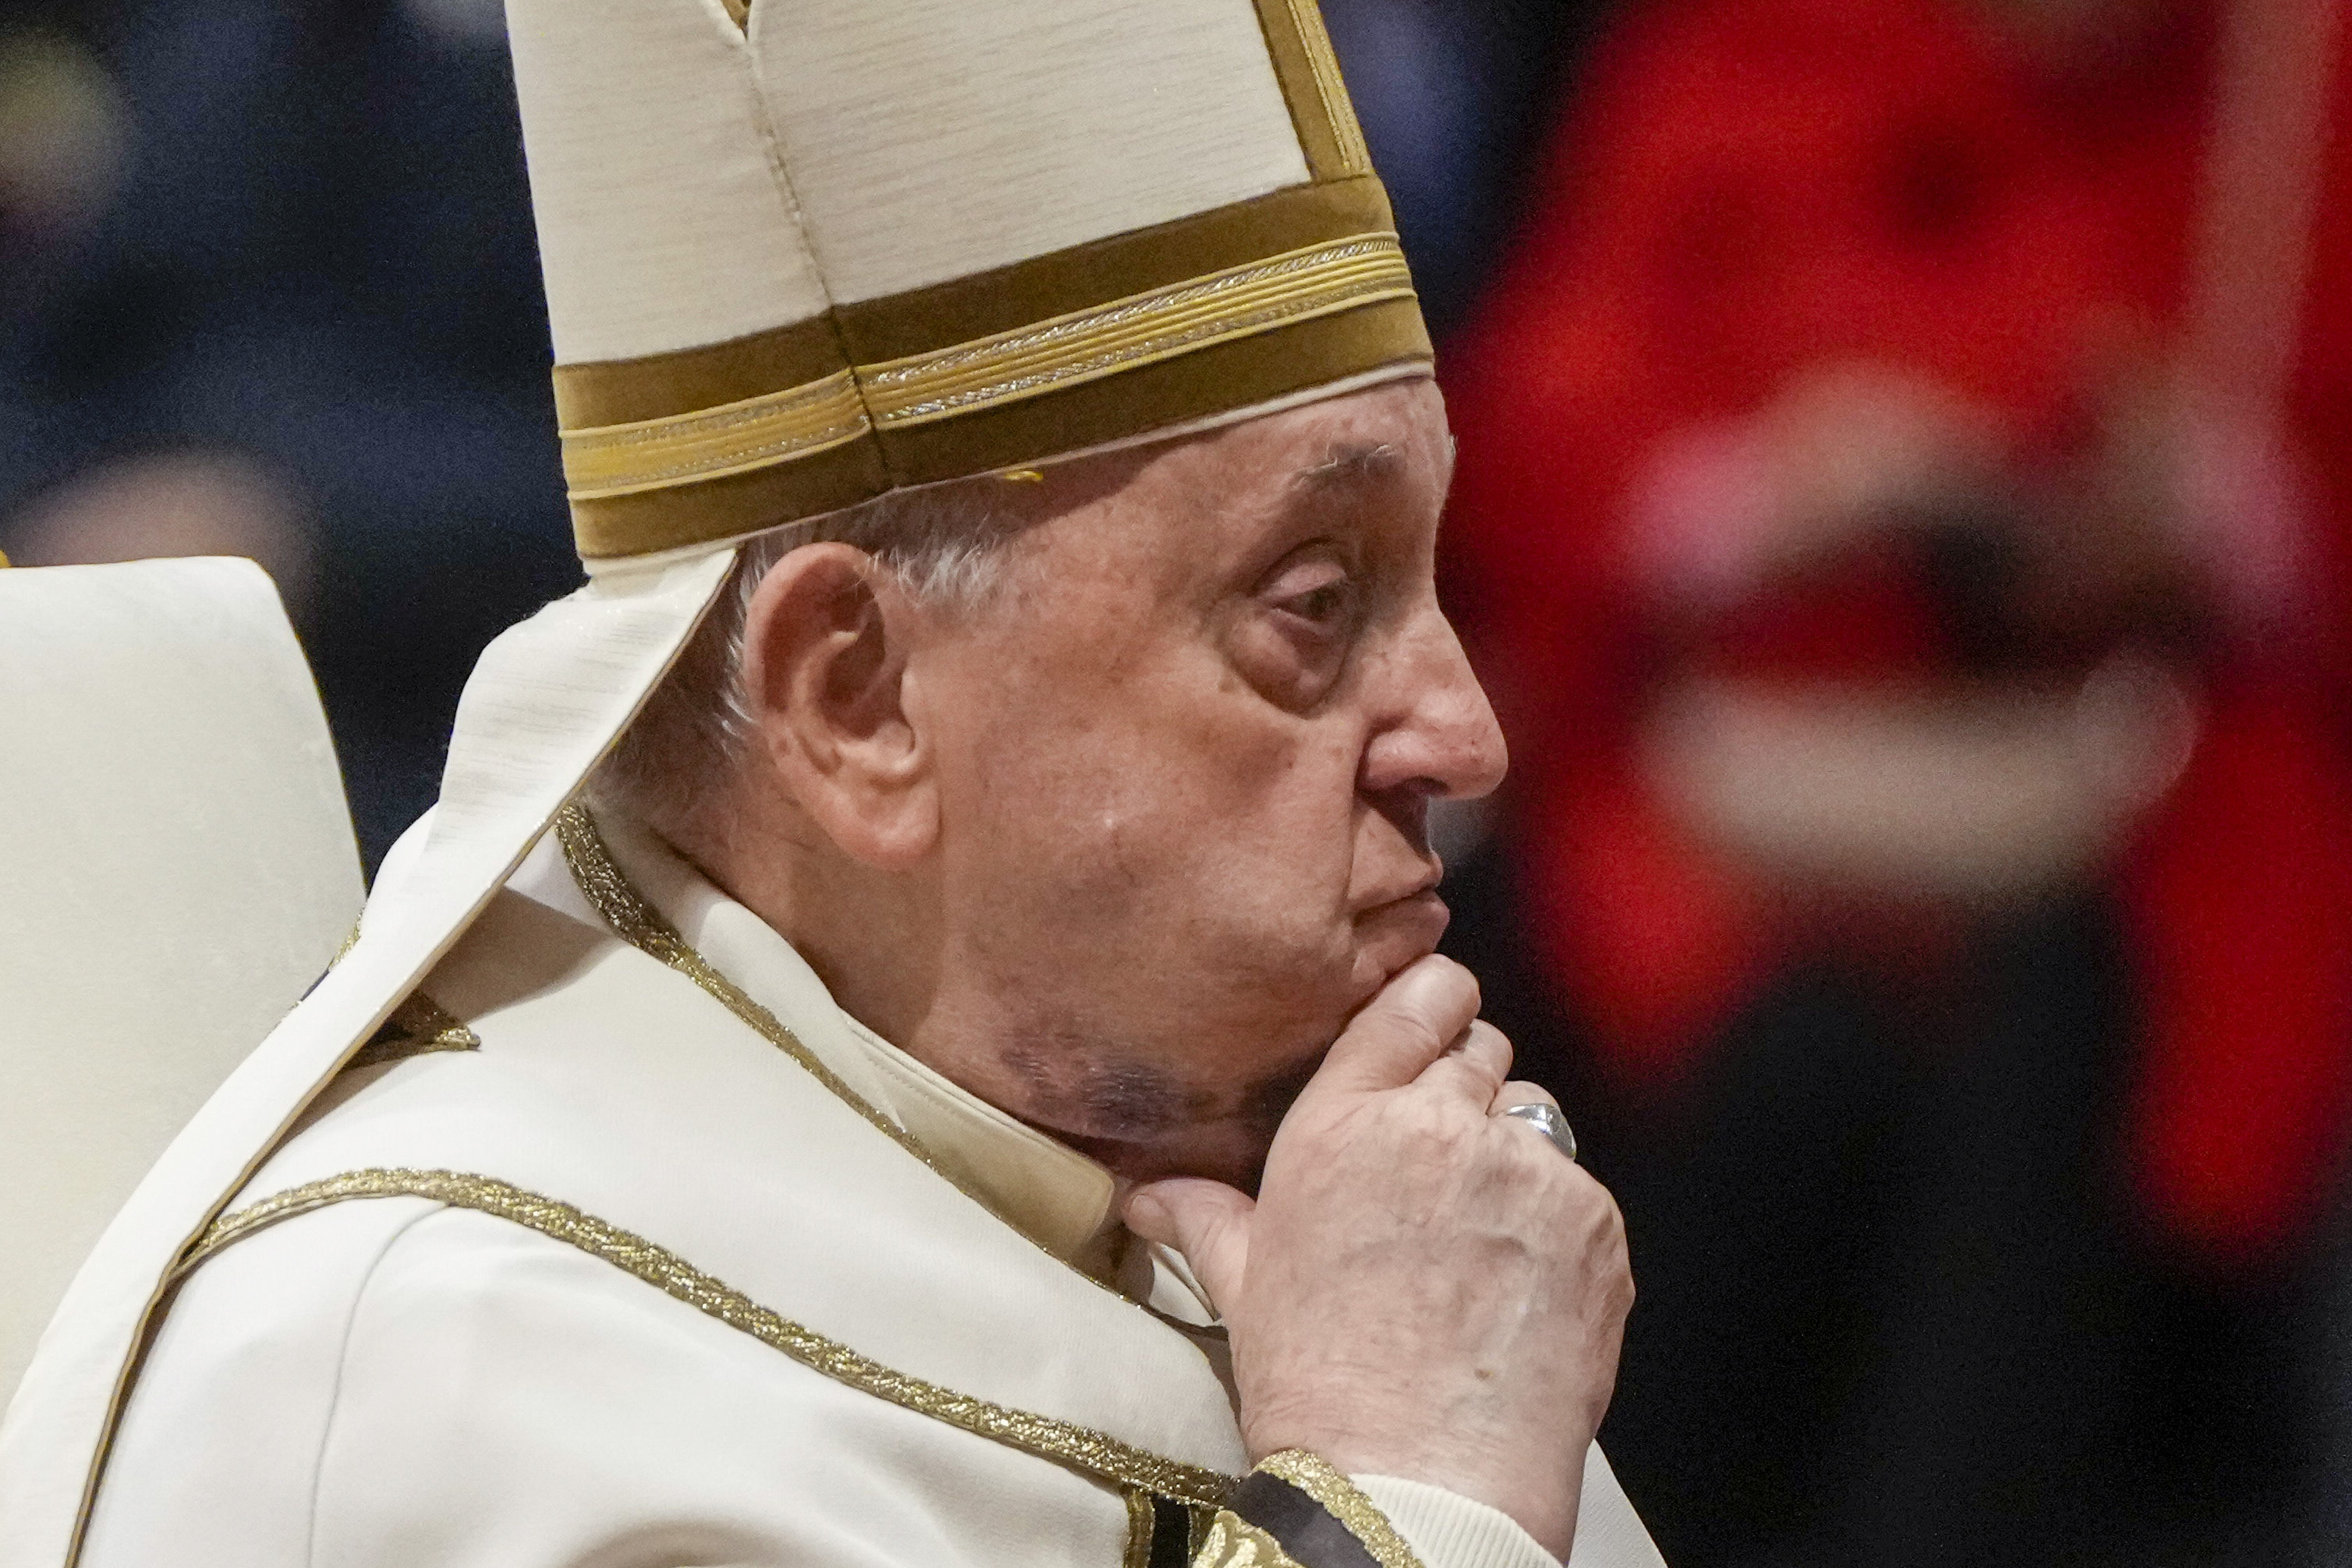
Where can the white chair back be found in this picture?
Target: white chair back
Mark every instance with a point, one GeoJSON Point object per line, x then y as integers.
{"type": "Point", "coordinates": [176, 868]}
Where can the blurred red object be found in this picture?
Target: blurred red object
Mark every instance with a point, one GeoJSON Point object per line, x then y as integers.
{"type": "Point", "coordinates": [1752, 190]}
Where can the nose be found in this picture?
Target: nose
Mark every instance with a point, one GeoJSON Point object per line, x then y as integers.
{"type": "Point", "coordinates": [1441, 740]}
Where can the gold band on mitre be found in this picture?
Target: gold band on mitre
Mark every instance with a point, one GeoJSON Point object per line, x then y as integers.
{"type": "Point", "coordinates": [601, 462]}
{"type": "Point", "coordinates": [1139, 329]}
{"type": "Point", "coordinates": [1225, 309]}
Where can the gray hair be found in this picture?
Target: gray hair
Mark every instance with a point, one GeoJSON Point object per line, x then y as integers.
{"type": "Point", "coordinates": [943, 545]}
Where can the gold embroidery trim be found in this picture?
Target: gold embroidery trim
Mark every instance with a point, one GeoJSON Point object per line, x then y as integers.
{"type": "Point", "coordinates": [605, 461]}
{"type": "Point", "coordinates": [1315, 1476]}
{"type": "Point", "coordinates": [638, 923]}
{"type": "Point", "coordinates": [1235, 1542]}
{"type": "Point", "coordinates": [1143, 1524]}
{"type": "Point", "coordinates": [1141, 328]}
{"type": "Point", "coordinates": [416, 1027]}
{"type": "Point", "coordinates": [1338, 109]}
{"type": "Point", "coordinates": [635, 921]}
{"type": "Point", "coordinates": [1081, 1448]}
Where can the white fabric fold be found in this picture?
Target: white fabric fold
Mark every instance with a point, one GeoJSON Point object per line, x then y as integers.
{"type": "Point", "coordinates": [544, 704]}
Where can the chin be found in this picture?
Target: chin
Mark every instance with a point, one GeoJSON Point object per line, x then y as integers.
{"type": "Point", "coordinates": [1211, 1105]}
{"type": "Point", "coordinates": [1222, 1133]}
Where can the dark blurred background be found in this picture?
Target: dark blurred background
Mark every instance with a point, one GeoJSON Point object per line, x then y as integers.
{"type": "Point", "coordinates": [1905, 471]}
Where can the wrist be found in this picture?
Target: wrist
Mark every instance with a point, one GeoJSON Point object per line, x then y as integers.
{"type": "Point", "coordinates": [1535, 1491]}
{"type": "Point", "coordinates": [1298, 1510]}
{"type": "Point", "coordinates": [1319, 1517]}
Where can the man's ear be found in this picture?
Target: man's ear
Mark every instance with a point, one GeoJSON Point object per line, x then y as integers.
{"type": "Point", "coordinates": [825, 662]}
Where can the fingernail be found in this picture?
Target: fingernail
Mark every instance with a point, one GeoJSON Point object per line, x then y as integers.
{"type": "Point", "coordinates": [1146, 1215]}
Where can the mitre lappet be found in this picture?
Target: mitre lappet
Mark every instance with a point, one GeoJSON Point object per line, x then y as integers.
{"type": "Point", "coordinates": [799, 254]}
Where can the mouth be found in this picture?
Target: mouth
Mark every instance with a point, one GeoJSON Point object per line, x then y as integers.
{"type": "Point", "coordinates": [1394, 936]}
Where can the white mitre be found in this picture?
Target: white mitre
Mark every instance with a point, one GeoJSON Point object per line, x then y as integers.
{"type": "Point", "coordinates": [796, 257]}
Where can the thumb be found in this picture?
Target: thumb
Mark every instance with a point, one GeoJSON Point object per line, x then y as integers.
{"type": "Point", "coordinates": [1207, 1221]}
{"type": "Point", "coordinates": [1413, 1021]}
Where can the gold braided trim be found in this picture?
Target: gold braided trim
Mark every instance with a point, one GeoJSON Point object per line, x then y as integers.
{"type": "Point", "coordinates": [635, 921]}
{"type": "Point", "coordinates": [1143, 1524]}
{"type": "Point", "coordinates": [1081, 1448]}
{"type": "Point", "coordinates": [1355, 157]}
{"type": "Point", "coordinates": [605, 461]}
{"type": "Point", "coordinates": [1314, 1476]}
{"type": "Point", "coordinates": [1141, 328]}
{"type": "Point", "coordinates": [1235, 1542]}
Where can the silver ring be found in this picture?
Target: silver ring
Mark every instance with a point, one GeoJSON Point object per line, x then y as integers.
{"type": "Point", "coordinates": [1547, 1121]}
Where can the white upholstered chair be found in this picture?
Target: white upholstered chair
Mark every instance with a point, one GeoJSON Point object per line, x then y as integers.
{"type": "Point", "coordinates": [176, 868]}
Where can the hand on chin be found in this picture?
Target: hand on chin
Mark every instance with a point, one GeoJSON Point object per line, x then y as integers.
{"type": "Point", "coordinates": [1393, 937]}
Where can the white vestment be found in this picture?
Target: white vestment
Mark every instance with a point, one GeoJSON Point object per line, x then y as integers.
{"type": "Point", "coordinates": [766, 1318]}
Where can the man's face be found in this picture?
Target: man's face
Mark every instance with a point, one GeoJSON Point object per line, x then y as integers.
{"type": "Point", "coordinates": [1184, 764]}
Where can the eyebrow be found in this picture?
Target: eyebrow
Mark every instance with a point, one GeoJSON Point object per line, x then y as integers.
{"type": "Point", "coordinates": [1351, 463]}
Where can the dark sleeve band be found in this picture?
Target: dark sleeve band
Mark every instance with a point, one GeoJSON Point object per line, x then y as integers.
{"type": "Point", "coordinates": [1311, 1535]}
{"type": "Point", "coordinates": [1299, 1504]}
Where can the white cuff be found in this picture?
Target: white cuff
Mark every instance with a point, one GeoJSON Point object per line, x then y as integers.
{"type": "Point", "coordinates": [1446, 1529]}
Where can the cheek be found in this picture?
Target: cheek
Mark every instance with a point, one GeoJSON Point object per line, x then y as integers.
{"type": "Point", "coordinates": [1186, 906]}
{"type": "Point", "coordinates": [1249, 822]}
{"type": "Point", "coordinates": [1052, 837]}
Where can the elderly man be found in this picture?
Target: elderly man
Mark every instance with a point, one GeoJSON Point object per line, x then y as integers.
{"type": "Point", "coordinates": [968, 1075]}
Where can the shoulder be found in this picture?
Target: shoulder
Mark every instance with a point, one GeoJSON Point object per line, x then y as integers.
{"type": "Point", "coordinates": [342, 1337]}
{"type": "Point", "coordinates": [391, 1380]}
{"type": "Point", "coordinates": [251, 1343]}
{"type": "Point", "coordinates": [308, 1309]}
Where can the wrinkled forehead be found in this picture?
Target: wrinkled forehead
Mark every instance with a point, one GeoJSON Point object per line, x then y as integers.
{"type": "Point", "coordinates": [1183, 513]}
{"type": "Point", "coordinates": [1332, 460]}
{"type": "Point", "coordinates": [1329, 449]}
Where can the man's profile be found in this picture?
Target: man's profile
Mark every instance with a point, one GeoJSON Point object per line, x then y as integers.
{"type": "Point", "coordinates": [913, 1034]}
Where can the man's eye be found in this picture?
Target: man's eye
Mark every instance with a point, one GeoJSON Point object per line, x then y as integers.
{"type": "Point", "coordinates": [1323, 605]}
{"type": "Point", "coordinates": [1304, 622]}
{"type": "Point", "coordinates": [1316, 591]}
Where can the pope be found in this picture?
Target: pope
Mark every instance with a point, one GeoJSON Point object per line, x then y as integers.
{"type": "Point", "coordinates": [913, 1033]}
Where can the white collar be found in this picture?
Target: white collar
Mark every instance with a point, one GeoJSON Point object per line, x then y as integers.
{"type": "Point", "coordinates": [1056, 1197]}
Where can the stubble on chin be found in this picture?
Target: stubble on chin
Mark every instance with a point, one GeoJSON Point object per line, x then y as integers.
{"type": "Point", "coordinates": [1145, 1119]}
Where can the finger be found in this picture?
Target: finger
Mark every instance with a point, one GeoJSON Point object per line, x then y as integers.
{"type": "Point", "coordinates": [1208, 1222]}
{"type": "Point", "coordinates": [1400, 1031]}
{"type": "Point", "coordinates": [1519, 1091]}
{"type": "Point", "coordinates": [1475, 1069]}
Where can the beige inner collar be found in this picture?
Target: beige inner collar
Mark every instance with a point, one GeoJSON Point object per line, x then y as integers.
{"type": "Point", "coordinates": [1054, 1196]}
